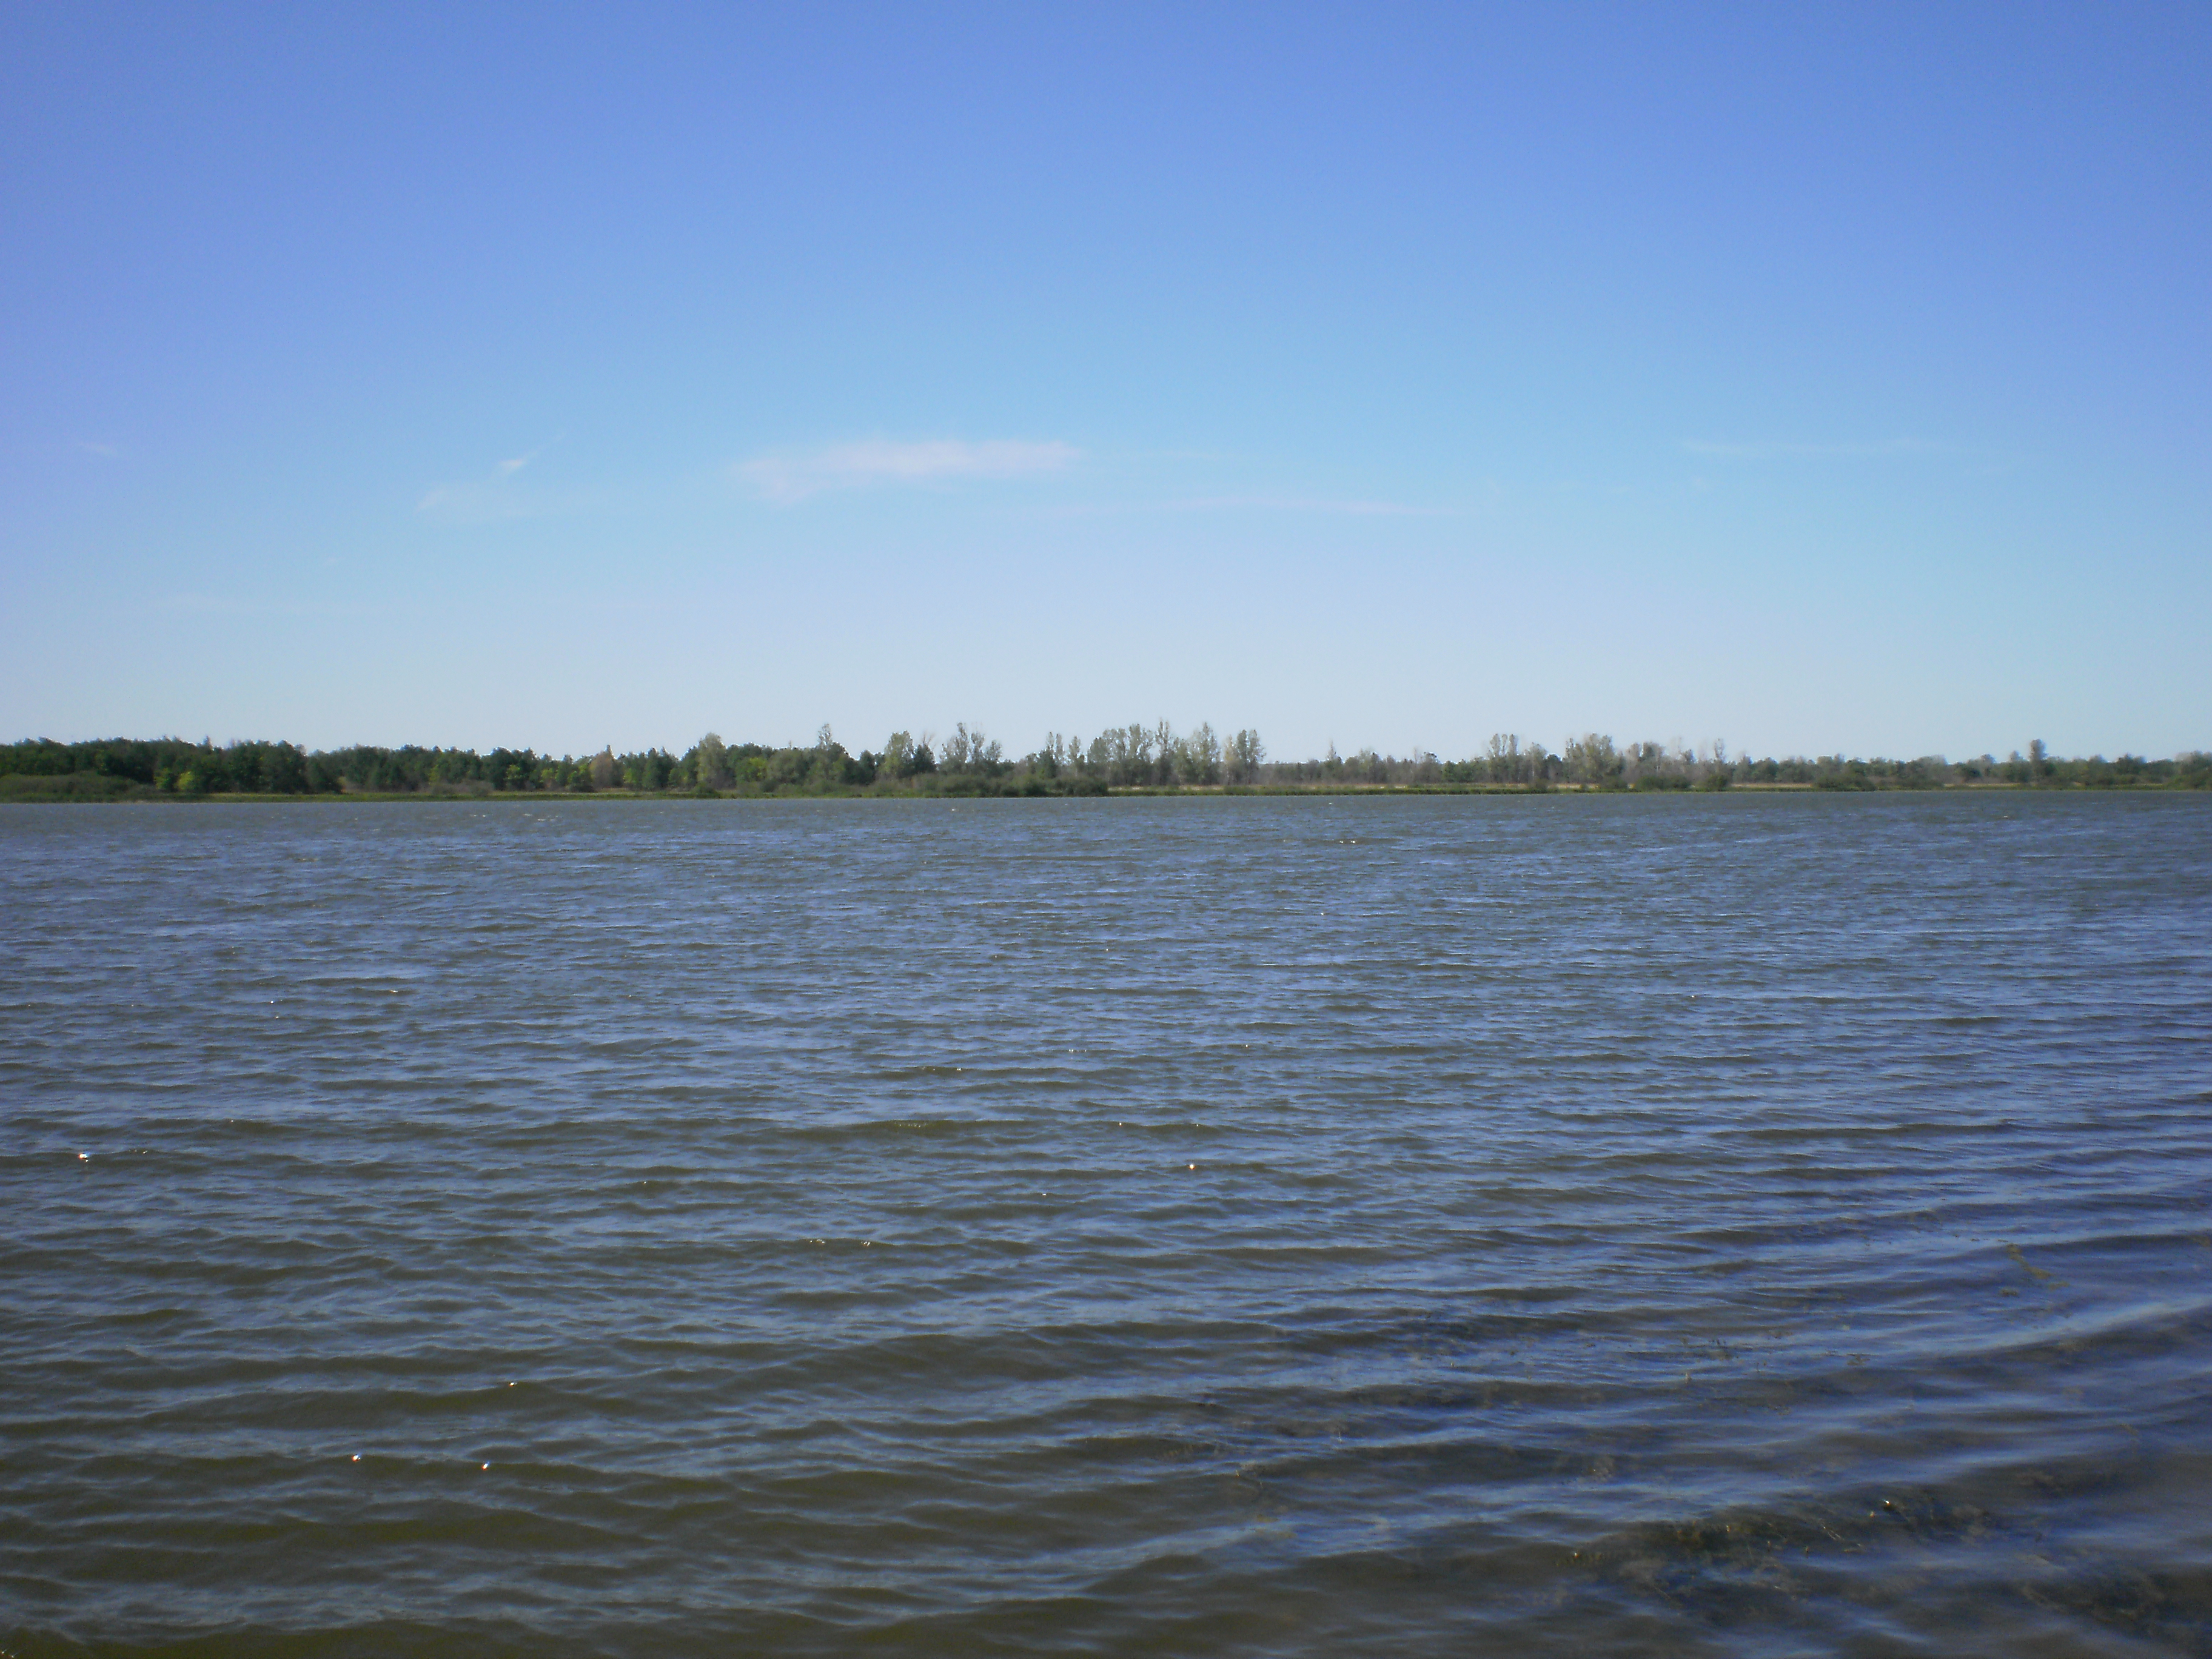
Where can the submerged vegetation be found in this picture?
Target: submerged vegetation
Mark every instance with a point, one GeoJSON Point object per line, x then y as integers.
{"type": "Point", "coordinates": [1132, 758]}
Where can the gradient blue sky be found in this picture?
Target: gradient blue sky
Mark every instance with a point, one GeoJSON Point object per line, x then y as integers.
{"type": "Point", "coordinates": [1813, 377]}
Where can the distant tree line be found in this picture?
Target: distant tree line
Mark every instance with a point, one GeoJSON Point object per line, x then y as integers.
{"type": "Point", "coordinates": [1131, 757]}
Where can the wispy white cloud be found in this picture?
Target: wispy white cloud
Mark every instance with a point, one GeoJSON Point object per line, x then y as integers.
{"type": "Point", "coordinates": [223, 604]}
{"type": "Point", "coordinates": [1770, 450]}
{"type": "Point", "coordinates": [476, 503]}
{"type": "Point", "coordinates": [507, 469]}
{"type": "Point", "coordinates": [490, 498]}
{"type": "Point", "coordinates": [1366, 509]}
{"type": "Point", "coordinates": [786, 478]}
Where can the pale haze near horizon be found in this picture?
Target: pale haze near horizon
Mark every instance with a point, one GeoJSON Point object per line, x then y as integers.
{"type": "Point", "coordinates": [1833, 379]}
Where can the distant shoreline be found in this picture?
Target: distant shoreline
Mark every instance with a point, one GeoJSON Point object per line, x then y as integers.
{"type": "Point", "coordinates": [1133, 760]}
{"type": "Point", "coordinates": [146, 796]}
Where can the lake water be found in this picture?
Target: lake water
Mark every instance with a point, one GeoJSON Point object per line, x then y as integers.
{"type": "Point", "coordinates": [1770, 1225]}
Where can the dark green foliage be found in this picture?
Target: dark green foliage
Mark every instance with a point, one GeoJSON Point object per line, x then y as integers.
{"type": "Point", "coordinates": [970, 764]}
{"type": "Point", "coordinates": [68, 786]}
{"type": "Point", "coordinates": [165, 764]}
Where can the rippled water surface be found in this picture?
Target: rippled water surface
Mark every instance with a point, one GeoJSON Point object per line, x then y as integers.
{"type": "Point", "coordinates": [1709, 1225]}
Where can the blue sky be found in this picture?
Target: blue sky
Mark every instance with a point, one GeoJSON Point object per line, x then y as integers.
{"type": "Point", "coordinates": [1811, 377]}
